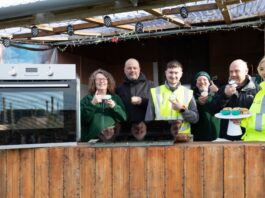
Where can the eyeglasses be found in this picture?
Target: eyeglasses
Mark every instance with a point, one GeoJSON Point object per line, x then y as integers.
{"type": "Point", "coordinates": [101, 79]}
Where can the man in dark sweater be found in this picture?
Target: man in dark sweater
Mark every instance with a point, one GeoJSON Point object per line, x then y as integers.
{"type": "Point", "coordinates": [135, 92]}
{"type": "Point", "coordinates": [240, 93]}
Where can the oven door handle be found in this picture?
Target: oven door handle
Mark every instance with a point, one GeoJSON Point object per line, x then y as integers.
{"type": "Point", "coordinates": [34, 86]}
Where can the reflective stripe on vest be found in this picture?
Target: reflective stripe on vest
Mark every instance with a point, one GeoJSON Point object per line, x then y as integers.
{"type": "Point", "coordinates": [185, 127]}
{"type": "Point", "coordinates": [258, 122]}
{"type": "Point", "coordinates": [262, 108]}
{"type": "Point", "coordinates": [258, 107]}
{"type": "Point", "coordinates": [258, 110]}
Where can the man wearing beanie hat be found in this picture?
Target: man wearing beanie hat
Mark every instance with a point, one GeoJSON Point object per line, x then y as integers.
{"type": "Point", "coordinates": [203, 73]}
{"type": "Point", "coordinates": [207, 128]}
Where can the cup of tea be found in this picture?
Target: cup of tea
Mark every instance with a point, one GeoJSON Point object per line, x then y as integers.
{"type": "Point", "coordinates": [134, 99]}
{"type": "Point", "coordinates": [106, 97]}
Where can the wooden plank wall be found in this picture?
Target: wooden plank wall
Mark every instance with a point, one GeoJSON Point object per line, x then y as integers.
{"type": "Point", "coordinates": [183, 170]}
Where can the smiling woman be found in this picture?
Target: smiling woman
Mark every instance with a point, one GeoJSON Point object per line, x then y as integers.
{"type": "Point", "coordinates": [101, 109]}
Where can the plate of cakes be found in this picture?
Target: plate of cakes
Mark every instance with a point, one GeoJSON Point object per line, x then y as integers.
{"type": "Point", "coordinates": [233, 113]}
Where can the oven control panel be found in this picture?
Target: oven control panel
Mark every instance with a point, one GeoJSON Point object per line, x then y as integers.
{"type": "Point", "coordinates": [37, 71]}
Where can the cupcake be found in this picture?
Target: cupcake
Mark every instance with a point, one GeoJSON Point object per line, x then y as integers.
{"type": "Point", "coordinates": [244, 111]}
{"type": "Point", "coordinates": [226, 111]}
{"type": "Point", "coordinates": [235, 111]}
{"type": "Point", "coordinates": [204, 93]}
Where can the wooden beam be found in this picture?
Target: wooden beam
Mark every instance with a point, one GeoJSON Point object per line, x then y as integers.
{"type": "Point", "coordinates": [87, 33]}
{"type": "Point", "coordinates": [158, 13]}
{"type": "Point", "coordinates": [28, 35]}
{"type": "Point", "coordinates": [100, 22]}
{"type": "Point", "coordinates": [125, 27]}
{"type": "Point", "coordinates": [195, 8]}
{"type": "Point", "coordinates": [224, 10]}
{"type": "Point", "coordinates": [230, 2]}
{"type": "Point", "coordinates": [45, 27]}
{"type": "Point", "coordinates": [94, 20]}
{"type": "Point", "coordinates": [159, 28]}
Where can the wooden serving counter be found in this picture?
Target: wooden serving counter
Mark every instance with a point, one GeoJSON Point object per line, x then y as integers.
{"type": "Point", "coordinates": [198, 170]}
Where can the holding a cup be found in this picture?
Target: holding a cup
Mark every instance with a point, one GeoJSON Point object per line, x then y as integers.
{"type": "Point", "coordinates": [136, 100]}
{"type": "Point", "coordinates": [207, 129]}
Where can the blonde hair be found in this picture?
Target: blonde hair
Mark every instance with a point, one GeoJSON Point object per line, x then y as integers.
{"type": "Point", "coordinates": [260, 63]}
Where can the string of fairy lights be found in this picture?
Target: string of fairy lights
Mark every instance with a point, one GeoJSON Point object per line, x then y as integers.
{"type": "Point", "coordinates": [138, 33]}
{"type": "Point", "coordinates": [132, 35]}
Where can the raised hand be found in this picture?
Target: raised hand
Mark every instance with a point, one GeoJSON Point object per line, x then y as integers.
{"type": "Point", "coordinates": [136, 100]}
{"type": "Point", "coordinates": [213, 88]}
{"type": "Point", "coordinates": [230, 90]}
{"type": "Point", "coordinates": [110, 103]}
{"type": "Point", "coordinates": [96, 99]}
{"type": "Point", "coordinates": [202, 99]}
{"type": "Point", "coordinates": [176, 105]}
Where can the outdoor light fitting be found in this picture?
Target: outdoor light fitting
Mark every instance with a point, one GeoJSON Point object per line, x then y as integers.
{"type": "Point", "coordinates": [6, 42]}
{"type": "Point", "coordinates": [139, 27]}
{"type": "Point", "coordinates": [184, 12]}
{"type": "Point", "coordinates": [70, 30]}
{"type": "Point", "coordinates": [34, 31]}
{"type": "Point", "coordinates": [107, 21]}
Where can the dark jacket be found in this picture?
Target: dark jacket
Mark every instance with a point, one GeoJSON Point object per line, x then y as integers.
{"type": "Point", "coordinates": [140, 87]}
{"type": "Point", "coordinates": [208, 126]}
{"type": "Point", "coordinates": [243, 98]}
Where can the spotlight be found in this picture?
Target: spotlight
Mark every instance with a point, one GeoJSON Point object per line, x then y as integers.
{"type": "Point", "coordinates": [139, 27]}
{"type": "Point", "coordinates": [184, 12]}
{"type": "Point", "coordinates": [107, 21]}
{"type": "Point", "coordinates": [70, 30]}
{"type": "Point", "coordinates": [6, 42]}
{"type": "Point", "coordinates": [34, 31]}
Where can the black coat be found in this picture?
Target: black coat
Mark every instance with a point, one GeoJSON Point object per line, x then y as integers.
{"type": "Point", "coordinates": [140, 87]}
{"type": "Point", "coordinates": [243, 98]}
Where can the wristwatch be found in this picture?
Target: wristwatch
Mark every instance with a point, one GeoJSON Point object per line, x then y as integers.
{"type": "Point", "coordinates": [182, 109]}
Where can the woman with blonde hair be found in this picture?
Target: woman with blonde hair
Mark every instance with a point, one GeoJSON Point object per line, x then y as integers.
{"type": "Point", "coordinates": [101, 109]}
{"type": "Point", "coordinates": [255, 125]}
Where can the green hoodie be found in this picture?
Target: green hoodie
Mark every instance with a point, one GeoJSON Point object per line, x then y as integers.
{"type": "Point", "coordinates": [95, 118]}
{"type": "Point", "coordinates": [208, 126]}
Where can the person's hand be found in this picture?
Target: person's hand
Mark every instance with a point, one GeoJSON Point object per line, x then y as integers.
{"type": "Point", "coordinates": [230, 90]}
{"type": "Point", "coordinates": [110, 103]}
{"type": "Point", "coordinates": [176, 105]}
{"type": "Point", "coordinates": [202, 99]}
{"type": "Point", "coordinates": [213, 88]}
{"type": "Point", "coordinates": [236, 121]}
{"type": "Point", "coordinates": [136, 100]}
{"type": "Point", "coordinates": [96, 99]}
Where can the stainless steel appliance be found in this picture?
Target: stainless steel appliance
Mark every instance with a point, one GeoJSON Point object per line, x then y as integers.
{"type": "Point", "coordinates": [39, 103]}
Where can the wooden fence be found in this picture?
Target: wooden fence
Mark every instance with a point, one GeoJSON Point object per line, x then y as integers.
{"type": "Point", "coordinates": [182, 170]}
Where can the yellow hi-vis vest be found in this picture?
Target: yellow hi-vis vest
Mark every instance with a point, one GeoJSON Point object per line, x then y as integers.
{"type": "Point", "coordinates": [163, 107]}
{"type": "Point", "coordinates": [255, 125]}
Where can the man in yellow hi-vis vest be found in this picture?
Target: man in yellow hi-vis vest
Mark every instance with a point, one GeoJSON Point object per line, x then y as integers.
{"type": "Point", "coordinates": [173, 102]}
